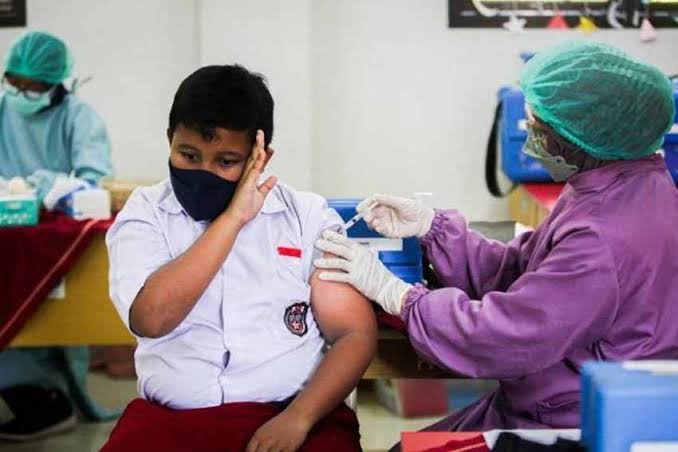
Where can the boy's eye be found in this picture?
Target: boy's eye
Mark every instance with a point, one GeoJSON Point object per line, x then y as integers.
{"type": "Point", "coordinates": [190, 157]}
{"type": "Point", "coordinates": [225, 162]}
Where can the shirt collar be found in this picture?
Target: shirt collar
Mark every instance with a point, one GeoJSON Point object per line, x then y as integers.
{"type": "Point", "coordinates": [598, 179]}
{"type": "Point", "coordinates": [273, 203]}
{"type": "Point", "coordinates": [169, 202]}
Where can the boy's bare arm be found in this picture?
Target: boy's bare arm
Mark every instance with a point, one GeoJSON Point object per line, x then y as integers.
{"type": "Point", "coordinates": [346, 320]}
{"type": "Point", "coordinates": [171, 292]}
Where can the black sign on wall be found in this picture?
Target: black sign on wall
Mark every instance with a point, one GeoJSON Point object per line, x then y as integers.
{"type": "Point", "coordinates": [12, 13]}
{"type": "Point", "coordinates": [538, 13]}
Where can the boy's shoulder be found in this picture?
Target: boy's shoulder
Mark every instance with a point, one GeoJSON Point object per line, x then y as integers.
{"type": "Point", "coordinates": [307, 210]}
{"type": "Point", "coordinates": [148, 198]}
{"type": "Point", "coordinates": [304, 200]}
{"type": "Point", "coordinates": [304, 204]}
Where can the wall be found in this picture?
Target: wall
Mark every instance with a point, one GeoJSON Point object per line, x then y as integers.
{"type": "Point", "coordinates": [271, 37]}
{"type": "Point", "coordinates": [401, 103]}
{"type": "Point", "coordinates": [138, 52]}
{"type": "Point", "coordinates": [372, 95]}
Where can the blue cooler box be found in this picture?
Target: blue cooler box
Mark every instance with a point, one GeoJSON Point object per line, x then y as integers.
{"type": "Point", "coordinates": [521, 168]}
{"type": "Point", "coordinates": [671, 141]}
{"type": "Point", "coordinates": [402, 257]}
{"type": "Point", "coordinates": [625, 408]}
{"type": "Point", "coordinates": [517, 166]}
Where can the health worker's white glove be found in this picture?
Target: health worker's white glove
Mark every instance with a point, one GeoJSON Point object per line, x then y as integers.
{"type": "Point", "coordinates": [361, 267]}
{"type": "Point", "coordinates": [396, 217]}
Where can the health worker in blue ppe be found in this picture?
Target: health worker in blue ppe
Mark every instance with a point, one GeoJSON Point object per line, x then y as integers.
{"type": "Point", "coordinates": [45, 131]}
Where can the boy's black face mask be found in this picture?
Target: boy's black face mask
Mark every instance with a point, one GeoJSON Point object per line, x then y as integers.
{"type": "Point", "coordinates": [202, 194]}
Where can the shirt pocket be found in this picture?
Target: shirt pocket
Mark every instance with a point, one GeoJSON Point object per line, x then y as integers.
{"type": "Point", "coordinates": [289, 264]}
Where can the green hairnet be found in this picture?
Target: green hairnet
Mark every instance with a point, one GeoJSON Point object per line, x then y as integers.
{"type": "Point", "coordinates": [610, 105]}
{"type": "Point", "coordinates": [40, 56]}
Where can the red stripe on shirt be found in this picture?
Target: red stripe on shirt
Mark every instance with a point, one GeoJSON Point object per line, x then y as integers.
{"type": "Point", "coordinates": [289, 252]}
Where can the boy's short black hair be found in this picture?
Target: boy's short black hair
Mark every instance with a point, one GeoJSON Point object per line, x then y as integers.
{"type": "Point", "coordinates": [230, 97]}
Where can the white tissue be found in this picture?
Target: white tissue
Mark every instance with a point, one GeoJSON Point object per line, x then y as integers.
{"type": "Point", "coordinates": [18, 186]}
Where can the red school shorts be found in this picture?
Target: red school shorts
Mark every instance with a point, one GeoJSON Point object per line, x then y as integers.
{"type": "Point", "coordinates": [145, 426]}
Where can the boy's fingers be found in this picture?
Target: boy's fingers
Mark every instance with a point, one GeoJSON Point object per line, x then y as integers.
{"type": "Point", "coordinates": [249, 178]}
{"type": "Point", "coordinates": [252, 446]}
{"type": "Point", "coordinates": [258, 144]}
{"type": "Point", "coordinates": [254, 153]}
{"type": "Point", "coordinates": [260, 160]}
{"type": "Point", "coordinates": [267, 186]}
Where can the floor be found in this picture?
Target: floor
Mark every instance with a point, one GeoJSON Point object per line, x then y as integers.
{"type": "Point", "coordinates": [380, 428]}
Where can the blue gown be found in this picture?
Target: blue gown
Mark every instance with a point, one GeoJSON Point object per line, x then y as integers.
{"type": "Point", "coordinates": [68, 138]}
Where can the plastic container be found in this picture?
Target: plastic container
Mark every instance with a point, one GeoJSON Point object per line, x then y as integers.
{"type": "Point", "coordinates": [671, 141]}
{"type": "Point", "coordinates": [630, 407]}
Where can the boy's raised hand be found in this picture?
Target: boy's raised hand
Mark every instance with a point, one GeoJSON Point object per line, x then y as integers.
{"type": "Point", "coordinates": [249, 196]}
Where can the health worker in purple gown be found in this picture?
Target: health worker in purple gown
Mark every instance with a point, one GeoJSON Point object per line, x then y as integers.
{"type": "Point", "coordinates": [596, 281]}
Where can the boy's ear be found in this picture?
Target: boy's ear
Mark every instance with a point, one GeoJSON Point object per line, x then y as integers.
{"type": "Point", "coordinates": [269, 154]}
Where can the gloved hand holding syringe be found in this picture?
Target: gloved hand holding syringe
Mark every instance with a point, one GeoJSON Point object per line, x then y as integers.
{"type": "Point", "coordinates": [393, 216]}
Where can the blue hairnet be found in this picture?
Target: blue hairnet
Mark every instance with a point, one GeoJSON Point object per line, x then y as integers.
{"type": "Point", "coordinates": [40, 56]}
{"type": "Point", "coordinates": [602, 100]}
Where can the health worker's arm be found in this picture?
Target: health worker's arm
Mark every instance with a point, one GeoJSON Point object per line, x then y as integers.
{"type": "Point", "coordinates": [568, 302]}
{"type": "Point", "coordinates": [89, 151]}
{"type": "Point", "coordinates": [463, 258]}
{"type": "Point", "coordinates": [170, 293]}
{"type": "Point", "coordinates": [90, 147]}
{"type": "Point", "coordinates": [346, 320]}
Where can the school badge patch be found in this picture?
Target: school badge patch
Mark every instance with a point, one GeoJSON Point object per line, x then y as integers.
{"type": "Point", "coordinates": [295, 318]}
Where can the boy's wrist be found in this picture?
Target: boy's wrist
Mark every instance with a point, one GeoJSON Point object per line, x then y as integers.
{"type": "Point", "coordinates": [300, 415]}
{"type": "Point", "coordinates": [231, 221]}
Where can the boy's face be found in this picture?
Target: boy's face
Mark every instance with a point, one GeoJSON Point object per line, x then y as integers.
{"type": "Point", "coordinates": [224, 156]}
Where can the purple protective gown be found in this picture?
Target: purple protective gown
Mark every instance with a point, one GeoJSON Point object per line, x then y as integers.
{"type": "Point", "coordinates": [598, 280]}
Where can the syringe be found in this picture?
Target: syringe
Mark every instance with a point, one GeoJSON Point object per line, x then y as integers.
{"type": "Point", "coordinates": [356, 218]}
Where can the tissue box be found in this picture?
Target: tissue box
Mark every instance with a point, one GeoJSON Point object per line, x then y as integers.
{"type": "Point", "coordinates": [18, 210]}
{"type": "Point", "coordinates": [630, 406]}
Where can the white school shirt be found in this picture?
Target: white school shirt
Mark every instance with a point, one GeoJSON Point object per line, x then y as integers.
{"type": "Point", "coordinates": [251, 336]}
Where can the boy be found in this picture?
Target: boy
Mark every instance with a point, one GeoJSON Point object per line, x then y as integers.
{"type": "Point", "coordinates": [212, 272]}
